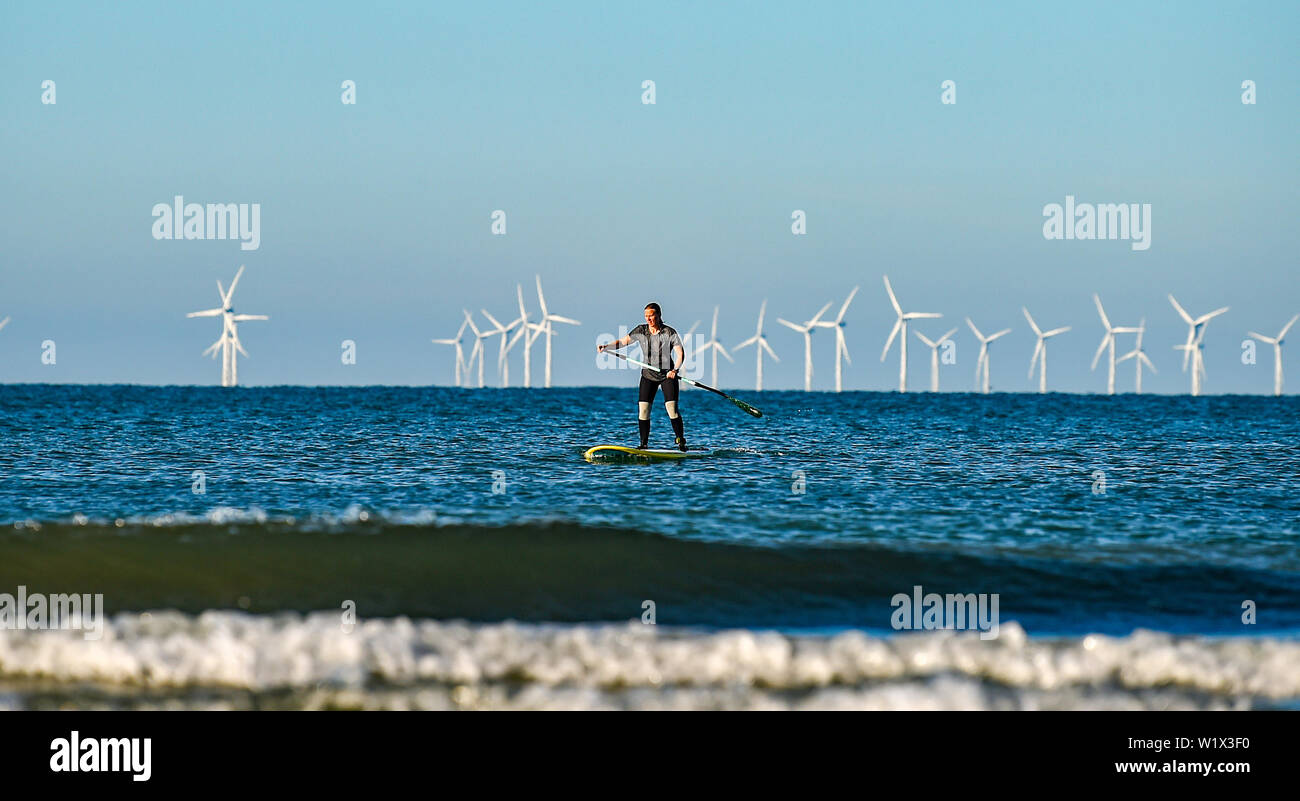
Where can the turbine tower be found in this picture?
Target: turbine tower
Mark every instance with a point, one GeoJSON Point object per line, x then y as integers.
{"type": "Point", "coordinates": [503, 363]}
{"type": "Point", "coordinates": [1276, 342]}
{"type": "Point", "coordinates": [714, 345]}
{"type": "Point", "coordinates": [1040, 349]}
{"type": "Point", "coordinates": [807, 330]}
{"type": "Point", "coordinates": [934, 356]}
{"type": "Point", "coordinates": [461, 366]}
{"type": "Point", "coordinates": [759, 341]}
{"type": "Point", "coordinates": [983, 361]}
{"type": "Point", "coordinates": [1140, 355]}
{"type": "Point", "coordinates": [228, 342]}
{"type": "Point", "coordinates": [841, 346]}
{"type": "Point", "coordinates": [901, 325]}
{"type": "Point", "coordinates": [1195, 342]}
{"type": "Point", "coordinates": [1108, 340]}
{"type": "Point", "coordinates": [544, 327]}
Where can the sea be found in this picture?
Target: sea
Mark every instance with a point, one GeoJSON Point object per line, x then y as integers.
{"type": "Point", "coordinates": [443, 548]}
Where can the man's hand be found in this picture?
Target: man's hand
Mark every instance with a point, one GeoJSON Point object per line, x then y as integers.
{"type": "Point", "coordinates": [672, 373]}
{"type": "Point", "coordinates": [601, 348]}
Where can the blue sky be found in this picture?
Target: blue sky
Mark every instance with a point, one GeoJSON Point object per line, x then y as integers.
{"type": "Point", "coordinates": [376, 216]}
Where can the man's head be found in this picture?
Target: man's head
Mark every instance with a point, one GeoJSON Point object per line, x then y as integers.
{"type": "Point", "coordinates": [653, 315]}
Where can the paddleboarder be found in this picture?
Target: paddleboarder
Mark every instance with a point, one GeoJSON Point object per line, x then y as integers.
{"type": "Point", "coordinates": [662, 349]}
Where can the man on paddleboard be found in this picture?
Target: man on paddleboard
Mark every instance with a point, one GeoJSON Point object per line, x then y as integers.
{"type": "Point", "coordinates": [662, 349]}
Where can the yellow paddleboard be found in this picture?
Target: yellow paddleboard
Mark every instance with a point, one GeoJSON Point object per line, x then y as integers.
{"type": "Point", "coordinates": [618, 453]}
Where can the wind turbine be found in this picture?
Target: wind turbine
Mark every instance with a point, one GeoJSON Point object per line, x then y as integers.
{"type": "Point", "coordinates": [544, 327]}
{"type": "Point", "coordinates": [983, 360]}
{"type": "Point", "coordinates": [760, 343]}
{"type": "Point", "coordinates": [806, 329]}
{"type": "Point", "coordinates": [526, 333]}
{"type": "Point", "coordinates": [901, 325]}
{"type": "Point", "coordinates": [460, 352]}
{"type": "Point", "coordinates": [1194, 345]}
{"type": "Point", "coordinates": [934, 356]}
{"type": "Point", "coordinates": [1140, 355]}
{"type": "Point", "coordinates": [503, 364]}
{"type": "Point", "coordinates": [714, 345]}
{"type": "Point", "coordinates": [4, 322]}
{"type": "Point", "coordinates": [1276, 342]}
{"type": "Point", "coordinates": [228, 342]}
{"type": "Point", "coordinates": [1108, 340]}
{"type": "Point", "coordinates": [841, 346]}
{"type": "Point", "coordinates": [477, 350]}
{"type": "Point", "coordinates": [1040, 349]}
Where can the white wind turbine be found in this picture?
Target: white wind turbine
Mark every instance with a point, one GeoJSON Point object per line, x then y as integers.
{"type": "Point", "coordinates": [806, 329]}
{"type": "Point", "coordinates": [983, 360]}
{"type": "Point", "coordinates": [1276, 342]}
{"type": "Point", "coordinates": [544, 327]}
{"type": "Point", "coordinates": [760, 344]}
{"type": "Point", "coordinates": [1108, 340]}
{"type": "Point", "coordinates": [228, 342]}
{"type": "Point", "coordinates": [841, 346]}
{"type": "Point", "coordinates": [714, 345]}
{"type": "Point", "coordinates": [1140, 355]}
{"type": "Point", "coordinates": [528, 334]}
{"type": "Point", "coordinates": [934, 356]}
{"type": "Point", "coordinates": [901, 325]}
{"type": "Point", "coordinates": [461, 366]}
{"type": "Point", "coordinates": [1040, 349]}
{"type": "Point", "coordinates": [503, 363]}
{"type": "Point", "coordinates": [1194, 345]}
{"type": "Point", "coordinates": [478, 350]}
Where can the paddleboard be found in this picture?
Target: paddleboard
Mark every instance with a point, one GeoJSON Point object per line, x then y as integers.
{"type": "Point", "coordinates": [605, 453]}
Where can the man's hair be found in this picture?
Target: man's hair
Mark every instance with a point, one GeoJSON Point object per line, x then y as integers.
{"type": "Point", "coordinates": [658, 311]}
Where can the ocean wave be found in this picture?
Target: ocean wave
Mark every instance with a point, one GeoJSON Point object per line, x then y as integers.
{"type": "Point", "coordinates": [562, 571]}
{"type": "Point", "coordinates": [235, 660]}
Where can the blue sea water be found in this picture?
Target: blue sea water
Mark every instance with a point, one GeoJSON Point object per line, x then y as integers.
{"type": "Point", "coordinates": [1087, 516]}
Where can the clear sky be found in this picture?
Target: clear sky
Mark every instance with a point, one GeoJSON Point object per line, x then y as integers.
{"type": "Point", "coordinates": [375, 217]}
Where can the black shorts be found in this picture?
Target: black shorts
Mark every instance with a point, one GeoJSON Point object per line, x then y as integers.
{"type": "Point", "coordinates": [648, 387]}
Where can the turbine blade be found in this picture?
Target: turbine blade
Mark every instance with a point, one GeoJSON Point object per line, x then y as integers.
{"type": "Point", "coordinates": [924, 339]}
{"type": "Point", "coordinates": [976, 330]}
{"type": "Point", "coordinates": [1003, 332]}
{"type": "Point", "coordinates": [205, 313]}
{"type": "Point", "coordinates": [1032, 324]}
{"type": "Point", "coordinates": [239, 318]}
{"type": "Point", "coordinates": [231, 292]}
{"type": "Point", "coordinates": [1285, 328]}
{"type": "Point", "coordinates": [789, 324]}
{"type": "Point", "coordinates": [768, 348]}
{"type": "Point", "coordinates": [1104, 319]}
{"type": "Point", "coordinates": [747, 342]}
{"type": "Point", "coordinates": [951, 331]}
{"type": "Point", "coordinates": [1204, 318]}
{"type": "Point", "coordinates": [893, 333]}
{"type": "Point", "coordinates": [839, 318]}
{"type": "Point", "coordinates": [1034, 359]}
{"type": "Point", "coordinates": [892, 299]}
{"type": "Point", "coordinates": [814, 320]}
{"type": "Point", "coordinates": [1101, 349]}
{"type": "Point", "coordinates": [541, 299]}
{"type": "Point", "coordinates": [1056, 331]}
{"type": "Point", "coordinates": [1187, 318]}
{"type": "Point", "coordinates": [557, 318]}
{"type": "Point", "coordinates": [1143, 358]}
{"type": "Point", "coordinates": [922, 316]}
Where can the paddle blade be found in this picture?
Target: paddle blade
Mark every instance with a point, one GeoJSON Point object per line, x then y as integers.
{"type": "Point", "coordinates": [745, 407]}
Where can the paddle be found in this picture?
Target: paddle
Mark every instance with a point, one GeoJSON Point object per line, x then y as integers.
{"type": "Point", "coordinates": [744, 407]}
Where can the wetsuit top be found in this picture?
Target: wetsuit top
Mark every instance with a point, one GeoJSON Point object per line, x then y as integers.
{"type": "Point", "coordinates": [656, 349]}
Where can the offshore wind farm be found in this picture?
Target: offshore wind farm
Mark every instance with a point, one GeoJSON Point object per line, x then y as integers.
{"type": "Point", "coordinates": [1078, 287]}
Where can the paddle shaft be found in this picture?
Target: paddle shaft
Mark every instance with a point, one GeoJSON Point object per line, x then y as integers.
{"type": "Point", "coordinates": [744, 406]}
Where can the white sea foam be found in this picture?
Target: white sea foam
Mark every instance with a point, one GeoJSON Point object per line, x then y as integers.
{"type": "Point", "coordinates": [168, 659]}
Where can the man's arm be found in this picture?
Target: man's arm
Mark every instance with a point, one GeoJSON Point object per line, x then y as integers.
{"type": "Point", "coordinates": [618, 343]}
